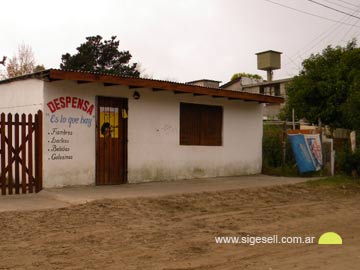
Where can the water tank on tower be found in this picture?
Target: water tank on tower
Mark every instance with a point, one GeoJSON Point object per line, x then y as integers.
{"type": "Point", "coordinates": [269, 61]}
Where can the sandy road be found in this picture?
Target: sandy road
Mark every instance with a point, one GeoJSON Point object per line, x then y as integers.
{"type": "Point", "coordinates": [177, 232]}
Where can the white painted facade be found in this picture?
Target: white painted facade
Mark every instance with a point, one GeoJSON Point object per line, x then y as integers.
{"type": "Point", "coordinates": [154, 152]}
{"type": "Point", "coordinates": [22, 96]}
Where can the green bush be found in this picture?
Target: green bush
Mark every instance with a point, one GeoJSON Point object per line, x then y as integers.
{"type": "Point", "coordinates": [272, 148]}
{"type": "Point", "coordinates": [347, 161]}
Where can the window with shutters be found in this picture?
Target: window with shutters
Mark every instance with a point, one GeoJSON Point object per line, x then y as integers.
{"type": "Point", "coordinates": [200, 124]}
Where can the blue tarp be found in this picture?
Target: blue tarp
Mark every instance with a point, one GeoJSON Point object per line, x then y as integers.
{"type": "Point", "coordinates": [304, 154]}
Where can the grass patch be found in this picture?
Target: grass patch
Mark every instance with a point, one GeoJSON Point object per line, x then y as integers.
{"type": "Point", "coordinates": [333, 181]}
{"type": "Point", "coordinates": [288, 171]}
{"type": "Point", "coordinates": [279, 171]}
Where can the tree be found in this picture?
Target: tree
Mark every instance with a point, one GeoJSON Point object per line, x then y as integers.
{"type": "Point", "coordinates": [97, 55]}
{"type": "Point", "coordinates": [328, 87]}
{"type": "Point", "coordinates": [39, 68]}
{"type": "Point", "coordinates": [22, 63]}
{"type": "Point", "coordinates": [243, 74]}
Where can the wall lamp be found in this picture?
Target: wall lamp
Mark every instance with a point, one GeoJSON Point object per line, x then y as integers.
{"type": "Point", "coordinates": [136, 95]}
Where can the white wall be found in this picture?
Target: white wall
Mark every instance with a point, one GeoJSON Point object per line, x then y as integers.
{"type": "Point", "coordinates": [237, 86]}
{"type": "Point", "coordinates": [75, 142]}
{"type": "Point", "coordinates": [247, 80]}
{"type": "Point", "coordinates": [24, 96]}
{"type": "Point", "coordinates": [154, 152]}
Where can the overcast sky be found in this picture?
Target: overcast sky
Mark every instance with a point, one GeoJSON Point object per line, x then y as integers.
{"type": "Point", "coordinates": [181, 40]}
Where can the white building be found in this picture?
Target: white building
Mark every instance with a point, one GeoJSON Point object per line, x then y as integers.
{"type": "Point", "coordinates": [107, 129]}
{"type": "Point", "coordinates": [275, 88]}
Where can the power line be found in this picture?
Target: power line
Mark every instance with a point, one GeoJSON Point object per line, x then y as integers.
{"type": "Point", "coordinates": [351, 4]}
{"type": "Point", "coordinates": [292, 61]}
{"type": "Point", "coordinates": [330, 31]}
{"type": "Point", "coordinates": [338, 30]}
{"type": "Point", "coordinates": [322, 37]}
{"type": "Point", "coordinates": [348, 32]}
{"type": "Point", "coordinates": [299, 55]}
{"type": "Point", "coordinates": [335, 9]}
{"type": "Point", "coordinates": [308, 13]}
{"type": "Point", "coordinates": [343, 22]}
{"type": "Point", "coordinates": [337, 4]}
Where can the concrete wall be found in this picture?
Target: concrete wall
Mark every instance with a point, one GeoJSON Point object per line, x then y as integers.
{"type": "Point", "coordinates": [21, 96]}
{"type": "Point", "coordinates": [268, 90]}
{"type": "Point", "coordinates": [247, 80]}
{"type": "Point", "coordinates": [252, 89]}
{"type": "Point", "coordinates": [271, 111]}
{"type": "Point", "coordinates": [154, 152]}
{"type": "Point", "coordinates": [244, 81]}
{"type": "Point", "coordinates": [237, 86]}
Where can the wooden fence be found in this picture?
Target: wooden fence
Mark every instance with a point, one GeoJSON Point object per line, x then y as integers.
{"type": "Point", "coordinates": [20, 153]}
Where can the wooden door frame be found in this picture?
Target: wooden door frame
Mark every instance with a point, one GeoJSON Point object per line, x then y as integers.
{"type": "Point", "coordinates": [97, 136]}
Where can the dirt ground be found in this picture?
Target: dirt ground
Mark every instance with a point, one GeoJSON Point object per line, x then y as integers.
{"type": "Point", "coordinates": [177, 232]}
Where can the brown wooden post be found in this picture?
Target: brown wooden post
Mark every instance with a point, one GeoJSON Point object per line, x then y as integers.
{"type": "Point", "coordinates": [9, 160]}
{"type": "Point", "coordinates": [38, 151]}
{"type": "Point", "coordinates": [23, 153]}
{"type": "Point", "coordinates": [30, 154]}
{"type": "Point", "coordinates": [321, 143]}
{"type": "Point", "coordinates": [36, 120]}
{"type": "Point", "coordinates": [283, 145]}
{"type": "Point", "coordinates": [16, 154]}
{"type": "Point", "coordinates": [353, 150]}
{"type": "Point", "coordinates": [353, 141]}
{"type": "Point", "coordinates": [2, 143]}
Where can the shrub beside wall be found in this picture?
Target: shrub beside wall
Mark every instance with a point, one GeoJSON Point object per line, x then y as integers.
{"type": "Point", "coordinates": [273, 152]}
{"type": "Point", "coordinates": [346, 162]}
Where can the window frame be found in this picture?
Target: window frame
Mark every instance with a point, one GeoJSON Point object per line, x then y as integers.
{"type": "Point", "coordinates": [200, 124]}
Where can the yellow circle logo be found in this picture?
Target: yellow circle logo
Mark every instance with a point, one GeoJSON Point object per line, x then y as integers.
{"type": "Point", "coordinates": [330, 238]}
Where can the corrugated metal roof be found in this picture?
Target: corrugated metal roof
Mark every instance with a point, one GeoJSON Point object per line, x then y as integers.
{"type": "Point", "coordinates": [107, 78]}
{"type": "Point", "coordinates": [130, 77]}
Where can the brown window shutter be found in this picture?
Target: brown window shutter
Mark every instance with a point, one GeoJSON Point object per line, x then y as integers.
{"type": "Point", "coordinates": [200, 124]}
{"type": "Point", "coordinates": [211, 125]}
{"type": "Point", "coordinates": [189, 124]}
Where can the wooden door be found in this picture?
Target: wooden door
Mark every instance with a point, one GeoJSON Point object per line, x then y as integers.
{"type": "Point", "coordinates": [111, 141]}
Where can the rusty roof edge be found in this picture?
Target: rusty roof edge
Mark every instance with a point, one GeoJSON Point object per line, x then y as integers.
{"type": "Point", "coordinates": [124, 77]}
{"type": "Point", "coordinates": [166, 85]}
{"type": "Point", "coordinates": [54, 74]}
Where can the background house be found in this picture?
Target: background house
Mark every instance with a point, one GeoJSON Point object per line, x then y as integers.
{"type": "Point", "coordinates": [275, 88]}
{"type": "Point", "coordinates": [268, 61]}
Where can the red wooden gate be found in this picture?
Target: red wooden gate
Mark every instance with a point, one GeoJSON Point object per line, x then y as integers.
{"type": "Point", "coordinates": [20, 153]}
